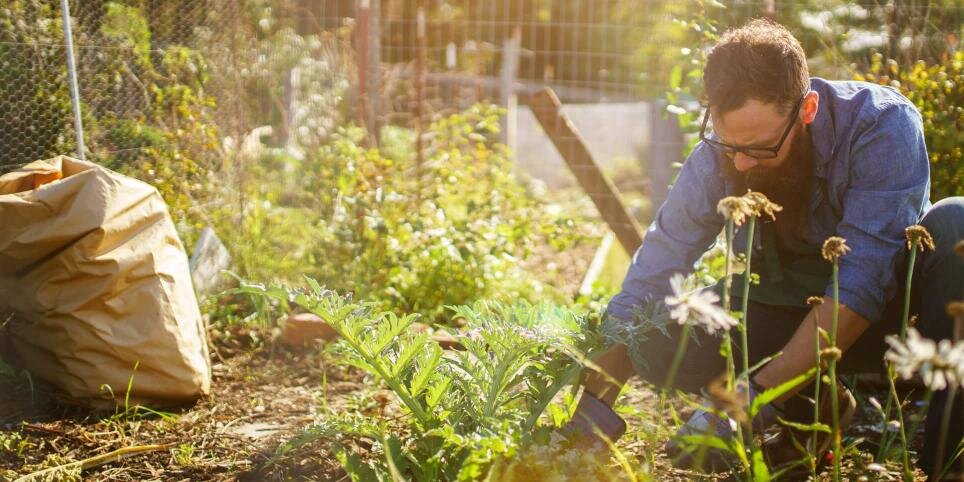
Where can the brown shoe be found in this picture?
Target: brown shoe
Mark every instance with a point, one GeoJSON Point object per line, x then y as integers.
{"type": "Point", "coordinates": [789, 451]}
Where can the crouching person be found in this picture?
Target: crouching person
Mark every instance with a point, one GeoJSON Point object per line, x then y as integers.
{"type": "Point", "coordinates": [842, 159]}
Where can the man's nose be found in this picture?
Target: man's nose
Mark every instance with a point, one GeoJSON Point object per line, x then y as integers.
{"type": "Point", "coordinates": [744, 162]}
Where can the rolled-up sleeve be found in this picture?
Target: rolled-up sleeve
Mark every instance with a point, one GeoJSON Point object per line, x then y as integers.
{"type": "Point", "coordinates": [888, 188]}
{"type": "Point", "coordinates": [684, 227]}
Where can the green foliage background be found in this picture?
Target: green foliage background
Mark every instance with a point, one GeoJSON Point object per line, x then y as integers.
{"type": "Point", "coordinates": [938, 92]}
{"type": "Point", "coordinates": [179, 94]}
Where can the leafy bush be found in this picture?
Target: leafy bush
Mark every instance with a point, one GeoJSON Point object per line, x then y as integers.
{"type": "Point", "coordinates": [369, 221]}
{"type": "Point", "coordinates": [463, 410]}
{"type": "Point", "coordinates": [938, 92]}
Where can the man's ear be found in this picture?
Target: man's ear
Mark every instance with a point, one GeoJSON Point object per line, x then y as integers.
{"type": "Point", "coordinates": [808, 110]}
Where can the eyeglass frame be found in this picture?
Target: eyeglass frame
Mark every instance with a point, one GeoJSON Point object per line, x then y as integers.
{"type": "Point", "coordinates": [774, 151]}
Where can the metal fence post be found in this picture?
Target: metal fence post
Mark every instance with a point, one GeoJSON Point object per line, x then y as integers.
{"type": "Point", "coordinates": [72, 74]}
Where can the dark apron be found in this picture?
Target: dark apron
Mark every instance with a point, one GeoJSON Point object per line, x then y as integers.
{"type": "Point", "coordinates": [789, 269]}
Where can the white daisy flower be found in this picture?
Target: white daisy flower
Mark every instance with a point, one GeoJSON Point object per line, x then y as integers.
{"type": "Point", "coordinates": [939, 364]}
{"type": "Point", "coordinates": [697, 307]}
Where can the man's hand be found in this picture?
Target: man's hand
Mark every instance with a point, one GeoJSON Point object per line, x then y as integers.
{"type": "Point", "coordinates": [797, 356]}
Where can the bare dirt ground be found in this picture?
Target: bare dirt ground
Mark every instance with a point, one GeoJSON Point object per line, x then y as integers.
{"type": "Point", "coordinates": [262, 396]}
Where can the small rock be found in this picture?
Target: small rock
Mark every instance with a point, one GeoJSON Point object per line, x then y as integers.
{"type": "Point", "coordinates": [298, 330]}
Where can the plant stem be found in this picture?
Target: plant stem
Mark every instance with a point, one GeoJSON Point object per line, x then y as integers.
{"type": "Point", "coordinates": [885, 439]}
{"type": "Point", "coordinates": [833, 375]}
{"type": "Point", "coordinates": [900, 419]}
{"type": "Point", "coordinates": [678, 358]}
{"type": "Point", "coordinates": [926, 403]}
{"type": "Point", "coordinates": [727, 282]}
{"type": "Point", "coordinates": [816, 407]}
{"type": "Point", "coordinates": [905, 316]}
{"type": "Point", "coordinates": [945, 424]}
{"type": "Point", "coordinates": [745, 348]}
{"type": "Point", "coordinates": [910, 276]}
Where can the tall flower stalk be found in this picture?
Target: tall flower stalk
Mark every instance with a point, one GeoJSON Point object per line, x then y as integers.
{"type": "Point", "coordinates": [941, 367]}
{"type": "Point", "coordinates": [833, 249]}
{"type": "Point", "coordinates": [816, 301]}
{"type": "Point", "coordinates": [757, 205]}
{"type": "Point", "coordinates": [697, 307]}
{"type": "Point", "coordinates": [917, 238]}
{"type": "Point", "coordinates": [735, 210]}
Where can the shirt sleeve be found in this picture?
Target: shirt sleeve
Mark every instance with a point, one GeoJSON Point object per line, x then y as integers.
{"type": "Point", "coordinates": [889, 185]}
{"type": "Point", "coordinates": [685, 226]}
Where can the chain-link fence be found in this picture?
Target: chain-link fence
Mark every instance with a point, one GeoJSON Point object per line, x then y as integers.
{"type": "Point", "coordinates": [192, 77]}
{"type": "Point", "coordinates": [124, 55]}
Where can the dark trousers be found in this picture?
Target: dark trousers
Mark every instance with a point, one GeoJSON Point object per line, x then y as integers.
{"type": "Point", "coordinates": [938, 279]}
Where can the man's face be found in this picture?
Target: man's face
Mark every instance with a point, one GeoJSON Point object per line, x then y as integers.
{"type": "Point", "coordinates": [755, 124]}
{"type": "Point", "coordinates": [785, 179]}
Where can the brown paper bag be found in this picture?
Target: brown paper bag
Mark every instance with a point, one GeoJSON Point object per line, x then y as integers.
{"type": "Point", "coordinates": [96, 280]}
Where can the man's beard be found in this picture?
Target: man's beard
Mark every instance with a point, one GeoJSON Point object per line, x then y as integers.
{"type": "Point", "coordinates": [788, 184]}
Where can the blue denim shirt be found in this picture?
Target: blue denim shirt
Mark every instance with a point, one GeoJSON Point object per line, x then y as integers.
{"type": "Point", "coordinates": [868, 145]}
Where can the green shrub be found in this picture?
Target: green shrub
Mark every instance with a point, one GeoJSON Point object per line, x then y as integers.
{"type": "Point", "coordinates": [938, 92]}
{"type": "Point", "coordinates": [368, 221]}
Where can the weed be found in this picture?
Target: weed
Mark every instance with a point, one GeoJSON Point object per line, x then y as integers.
{"type": "Point", "coordinates": [184, 454]}
{"type": "Point", "coordinates": [15, 443]}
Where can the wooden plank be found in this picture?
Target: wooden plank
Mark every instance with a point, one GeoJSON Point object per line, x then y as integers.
{"type": "Point", "coordinates": [560, 129]}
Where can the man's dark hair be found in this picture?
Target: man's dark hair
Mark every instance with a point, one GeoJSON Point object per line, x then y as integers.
{"type": "Point", "coordinates": [760, 60]}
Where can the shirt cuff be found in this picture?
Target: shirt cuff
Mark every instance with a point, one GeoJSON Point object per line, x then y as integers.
{"type": "Point", "coordinates": [862, 302]}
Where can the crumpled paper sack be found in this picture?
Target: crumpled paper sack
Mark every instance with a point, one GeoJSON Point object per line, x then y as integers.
{"type": "Point", "coordinates": [93, 281]}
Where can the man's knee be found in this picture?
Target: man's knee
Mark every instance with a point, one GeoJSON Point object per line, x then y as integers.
{"type": "Point", "coordinates": [945, 222]}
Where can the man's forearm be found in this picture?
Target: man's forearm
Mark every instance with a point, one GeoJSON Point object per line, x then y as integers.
{"type": "Point", "coordinates": [798, 355]}
{"type": "Point", "coordinates": [616, 368]}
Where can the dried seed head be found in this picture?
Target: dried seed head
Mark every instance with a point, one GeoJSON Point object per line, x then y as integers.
{"type": "Point", "coordinates": [834, 247]}
{"type": "Point", "coordinates": [830, 353]}
{"type": "Point", "coordinates": [759, 204]}
{"type": "Point", "coordinates": [959, 248]}
{"type": "Point", "coordinates": [956, 309]}
{"type": "Point", "coordinates": [730, 402]}
{"type": "Point", "coordinates": [735, 209]}
{"type": "Point", "coordinates": [815, 301]}
{"type": "Point", "coordinates": [918, 236]}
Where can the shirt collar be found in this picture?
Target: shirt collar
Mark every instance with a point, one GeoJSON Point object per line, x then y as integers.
{"type": "Point", "coordinates": [822, 129]}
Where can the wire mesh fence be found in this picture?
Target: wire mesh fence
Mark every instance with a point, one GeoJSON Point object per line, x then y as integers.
{"type": "Point", "coordinates": [188, 77]}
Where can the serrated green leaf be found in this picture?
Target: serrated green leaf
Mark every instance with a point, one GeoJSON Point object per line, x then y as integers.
{"type": "Point", "coordinates": [411, 348]}
{"type": "Point", "coordinates": [427, 365]}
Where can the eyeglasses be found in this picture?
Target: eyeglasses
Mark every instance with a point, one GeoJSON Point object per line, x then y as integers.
{"type": "Point", "coordinates": [755, 152]}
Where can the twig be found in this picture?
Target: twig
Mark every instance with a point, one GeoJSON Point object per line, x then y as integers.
{"type": "Point", "coordinates": [92, 462]}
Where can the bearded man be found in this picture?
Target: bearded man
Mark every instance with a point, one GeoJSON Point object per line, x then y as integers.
{"type": "Point", "coordinates": [844, 159]}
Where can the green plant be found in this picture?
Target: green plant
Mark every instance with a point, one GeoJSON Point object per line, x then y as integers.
{"type": "Point", "coordinates": [409, 245]}
{"type": "Point", "coordinates": [15, 443]}
{"type": "Point", "coordinates": [462, 410]}
{"type": "Point", "coordinates": [129, 417]}
{"type": "Point", "coordinates": [938, 92]}
{"type": "Point", "coordinates": [184, 454]}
